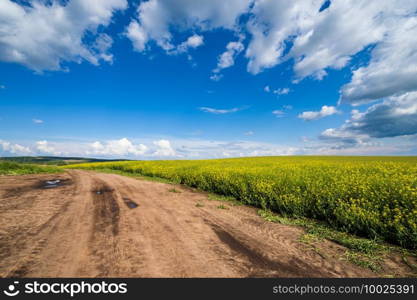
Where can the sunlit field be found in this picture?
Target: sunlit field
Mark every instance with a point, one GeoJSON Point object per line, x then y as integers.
{"type": "Point", "coordinates": [374, 197]}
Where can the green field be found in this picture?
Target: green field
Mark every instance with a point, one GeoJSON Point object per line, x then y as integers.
{"type": "Point", "coordinates": [374, 197]}
{"type": "Point", "coordinates": [13, 168]}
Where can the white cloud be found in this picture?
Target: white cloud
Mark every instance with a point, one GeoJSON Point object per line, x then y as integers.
{"type": "Point", "coordinates": [325, 111]}
{"type": "Point", "coordinates": [15, 149]}
{"type": "Point", "coordinates": [2, 87]}
{"type": "Point", "coordinates": [282, 91]}
{"type": "Point", "coordinates": [249, 133]}
{"type": "Point", "coordinates": [394, 120]}
{"type": "Point", "coordinates": [216, 77]}
{"type": "Point", "coordinates": [320, 39]}
{"type": "Point", "coordinates": [220, 111]}
{"type": "Point", "coordinates": [155, 19]}
{"type": "Point", "coordinates": [227, 58]}
{"type": "Point", "coordinates": [122, 147]}
{"type": "Point", "coordinates": [164, 148]}
{"type": "Point", "coordinates": [193, 41]}
{"type": "Point", "coordinates": [42, 35]}
{"type": "Point", "coordinates": [273, 22]}
{"type": "Point", "coordinates": [392, 69]}
{"type": "Point", "coordinates": [137, 35]}
{"type": "Point", "coordinates": [279, 91]}
{"type": "Point", "coordinates": [37, 121]}
{"type": "Point", "coordinates": [316, 41]}
{"type": "Point", "coordinates": [43, 147]}
{"type": "Point", "coordinates": [343, 136]}
{"type": "Point", "coordinates": [278, 113]}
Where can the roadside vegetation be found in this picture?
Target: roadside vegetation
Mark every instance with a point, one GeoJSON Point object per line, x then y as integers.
{"type": "Point", "coordinates": [13, 168]}
{"type": "Point", "coordinates": [364, 252]}
{"type": "Point", "coordinates": [374, 197]}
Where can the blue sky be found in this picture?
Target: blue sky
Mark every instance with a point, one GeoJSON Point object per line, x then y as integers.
{"type": "Point", "coordinates": [196, 79]}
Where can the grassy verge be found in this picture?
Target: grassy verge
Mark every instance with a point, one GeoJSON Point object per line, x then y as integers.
{"type": "Point", "coordinates": [12, 168]}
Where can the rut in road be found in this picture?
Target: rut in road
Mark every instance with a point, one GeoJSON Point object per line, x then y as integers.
{"type": "Point", "coordinates": [106, 225]}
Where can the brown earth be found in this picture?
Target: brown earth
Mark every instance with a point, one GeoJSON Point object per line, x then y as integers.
{"type": "Point", "coordinates": [106, 225]}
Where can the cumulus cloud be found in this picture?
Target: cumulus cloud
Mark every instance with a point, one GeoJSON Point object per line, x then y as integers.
{"type": "Point", "coordinates": [273, 22]}
{"type": "Point", "coordinates": [344, 137]}
{"type": "Point", "coordinates": [396, 116]}
{"type": "Point", "coordinates": [155, 19]}
{"type": "Point", "coordinates": [164, 148]}
{"type": "Point", "coordinates": [193, 41]}
{"type": "Point", "coordinates": [217, 111]}
{"type": "Point", "coordinates": [392, 69]}
{"type": "Point", "coordinates": [122, 147]}
{"type": "Point", "coordinates": [44, 147]}
{"type": "Point", "coordinates": [41, 35]}
{"type": "Point", "coordinates": [319, 39]}
{"type": "Point", "coordinates": [16, 149]}
{"type": "Point", "coordinates": [325, 111]}
{"type": "Point", "coordinates": [137, 35]}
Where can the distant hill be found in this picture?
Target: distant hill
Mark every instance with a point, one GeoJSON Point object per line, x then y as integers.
{"type": "Point", "coordinates": [54, 160]}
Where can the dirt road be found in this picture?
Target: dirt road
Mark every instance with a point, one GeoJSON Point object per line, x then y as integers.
{"type": "Point", "coordinates": [105, 225]}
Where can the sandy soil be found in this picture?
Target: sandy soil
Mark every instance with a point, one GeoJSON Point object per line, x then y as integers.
{"type": "Point", "coordinates": [90, 227]}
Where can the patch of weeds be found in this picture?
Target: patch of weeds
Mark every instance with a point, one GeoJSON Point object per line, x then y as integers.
{"type": "Point", "coordinates": [174, 190]}
{"type": "Point", "coordinates": [310, 241]}
{"type": "Point", "coordinates": [231, 200]}
{"type": "Point", "coordinates": [221, 206]}
{"type": "Point", "coordinates": [198, 204]}
{"type": "Point", "coordinates": [309, 238]}
{"type": "Point", "coordinates": [271, 217]}
{"type": "Point", "coordinates": [364, 260]}
{"type": "Point", "coordinates": [351, 242]}
{"type": "Point", "coordinates": [408, 263]}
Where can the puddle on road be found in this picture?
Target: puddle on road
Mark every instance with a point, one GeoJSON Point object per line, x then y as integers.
{"type": "Point", "coordinates": [53, 183]}
{"type": "Point", "coordinates": [130, 203]}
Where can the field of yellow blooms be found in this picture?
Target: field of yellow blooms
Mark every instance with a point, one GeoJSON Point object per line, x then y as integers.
{"type": "Point", "coordinates": [369, 196]}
